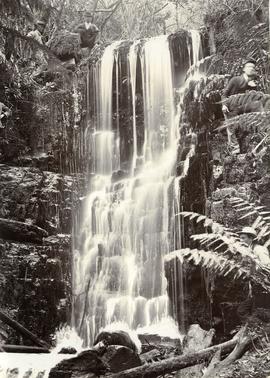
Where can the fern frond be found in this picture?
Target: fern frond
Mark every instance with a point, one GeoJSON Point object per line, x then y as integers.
{"type": "Point", "coordinates": [244, 98]}
{"type": "Point", "coordinates": [227, 243]}
{"type": "Point", "coordinates": [252, 122]}
{"type": "Point", "coordinates": [207, 222]}
{"type": "Point", "coordinates": [250, 208]}
{"type": "Point", "coordinates": [221, 265]}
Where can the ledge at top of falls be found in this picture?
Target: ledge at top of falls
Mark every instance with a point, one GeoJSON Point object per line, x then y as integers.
{"type": "Point", "coordinates": [177, 41]}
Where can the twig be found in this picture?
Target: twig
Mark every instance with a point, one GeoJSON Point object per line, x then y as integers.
{"type": "Point", "coordinates": [110, 15]}
{"type": "Point", "coordinates": [160, 9]}
{"type": "Point", "coordinates": [85, 305]}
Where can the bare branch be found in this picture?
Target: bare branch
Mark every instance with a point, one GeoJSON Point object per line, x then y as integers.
{"type": "Point", "coordinates": [110, 15]}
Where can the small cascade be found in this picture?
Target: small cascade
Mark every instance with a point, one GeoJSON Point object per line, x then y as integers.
{"type": "Point", "coordinates": [197, 52]}
{"type": "Point", "coordinates": [132, 58]}
{"type": "Point", "coordinates": [105, 140]}
{"type": "Point", "coordinates": [158, 96]}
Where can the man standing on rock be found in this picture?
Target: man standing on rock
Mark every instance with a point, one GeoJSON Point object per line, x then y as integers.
{"type": "Point", "coordinates": [88, 31]}
{"type": "Point", "coordinates": [36, 34]}
{"type": "Point", "coordinates": [237, 85]}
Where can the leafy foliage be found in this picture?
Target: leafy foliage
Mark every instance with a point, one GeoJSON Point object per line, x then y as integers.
{"type": "Point", "coordinates": [64, 43]}
{"type": "Point", "coordinates": [262, 220]}
{"type": "Point", "coordinates": [243, 99]}
{"type": "Point", "coordinates": [252, 122]}
{"type": "Point", "coordinates": [220, 265]}
{"type": "Point", "coordinates": [221, 250]}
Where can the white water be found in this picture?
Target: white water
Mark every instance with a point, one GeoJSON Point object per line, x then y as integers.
{"type": "Point", "coordinates": [21, 365]}
{"type": "Point", "coordinates": [105, 141]}
{"type": "Point", "coordinates": [132, 58]}
{"type": "Point", "coordinates": [196, 46]}
{"type": "Point", "coordinates": [159, 107]}
{"type": "Point", "coordinates": [127, 224]}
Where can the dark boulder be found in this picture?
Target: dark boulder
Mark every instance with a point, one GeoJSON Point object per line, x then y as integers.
{"type": "Point", "coordinates": [120, 358]}
{"type": "Point", "coordinates": [116, 338]}
{"type": "Point", "coordinates": [68, 350]}
{"type": "Point", "coordinates": [86, 362]}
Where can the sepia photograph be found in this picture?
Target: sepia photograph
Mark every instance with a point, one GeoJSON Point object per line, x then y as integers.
{"type": "Point", "coordinates": [134, 188]}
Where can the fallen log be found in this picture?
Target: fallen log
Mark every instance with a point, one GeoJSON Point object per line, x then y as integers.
{"type": "Point", "coordinates": [21, 231]}
{"type": "Point", "coordinates": [176, 363]}
{"type": "Point", "coordinates": [22, 349]}
{"type": "Point", "coordinates": [216, 365]}
{"type": "Point", "coordinates": [23, 331]}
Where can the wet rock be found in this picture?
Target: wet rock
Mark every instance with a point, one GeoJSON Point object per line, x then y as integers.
{"type": "Point", "coordinates": [120, 358]}
{"type": "Point", "coordinates": [20, 231]}
{"type": "Point", "coordinates": [263, 190]}
{"type": "Point", "coordinates": [152, 355]}
{"type": "Point", "coordinates": [197, 339]}
{"type": "Point", "coordinates": [116, 338]}
{"type": "Point", "coordinates": [44, 199]}
{"type": "Point", "coordinates": [119, 175]}
{"type": "Point", "coordinates": [240, 168]}
{"type": "Point", "coordinates": [67, 350]}
{"type": "Point", "coordinates": [86, 362]}
{"type": "Point", "coordinates": [35, 286]}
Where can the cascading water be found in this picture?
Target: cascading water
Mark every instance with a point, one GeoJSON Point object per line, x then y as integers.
{"type": "Point", "coordinates": [128, 225]}
{"type": "Point", "coordinates": [119, 273]}
{"type": "Point", "coordinates": [106, 148]}
{"type": "Point", "coordinates": [158, 96]}
{"type": "Point", "coordinates": [132, 58]}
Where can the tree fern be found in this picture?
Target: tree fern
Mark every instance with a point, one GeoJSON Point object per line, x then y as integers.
{"type": "Point", "coordinates": [222, 266]}
{"type": "Point", "coordinates": [245, 98]}
{"type": "Point", "coordinates": [251, 122]}
{"type": "Point", "coordinates": [222, 240]}
{"type": "Point", "coordinates": [207, 222]}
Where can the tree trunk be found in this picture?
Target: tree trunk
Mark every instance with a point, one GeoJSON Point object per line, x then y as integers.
{"type": "Point", "coordinates": [22, 349]}
{"type": "Point", "coordinates": [176, 363]}
{"type": "Point", "coordinates": [20, 231]}
{"type": "Point", "coordinates": [22, 330]}
{"type": "Point", "coordinates": [216, 365]}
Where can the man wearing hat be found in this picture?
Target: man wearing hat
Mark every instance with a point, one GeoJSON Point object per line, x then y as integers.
{"type": "Point", "coordinates": [36, 34]}
{"type": "Point", "coordinates": [88, 31]}
{"type": "Point", "coordinates": [248, 236]}
{"type": "Point", "coordinates": [237, 85]}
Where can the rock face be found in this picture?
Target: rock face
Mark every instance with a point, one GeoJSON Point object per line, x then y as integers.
{"type": "Point", "coordinates": [35, 247]}
{"type": "Point", "coordinates": [213, 178]}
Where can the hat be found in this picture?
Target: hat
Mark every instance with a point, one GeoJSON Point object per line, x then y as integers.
{"type": "Point", "coordinates": [88, 13]}
{"type": "Point", "coordinates": [249, 231]}
{"type": "Point", "coordinates": [249, 60]}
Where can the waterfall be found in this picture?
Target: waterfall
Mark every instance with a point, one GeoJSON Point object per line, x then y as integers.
{"type": "Point", "coordinates": [196, 46]}
{"type": "Point", "coordinates": [119, 270]}
{"type": "Point", "coordinates": [105, 140]}
{"type": "Point", "coordinates": [132, 58]}
{"type": "Point", "coordinates": [128, 226]}
{"type": "Point", "coordinates": [158, 96]}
